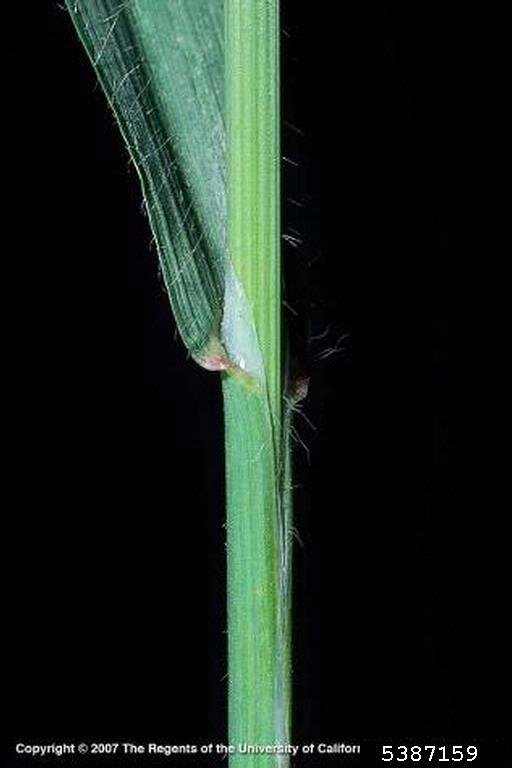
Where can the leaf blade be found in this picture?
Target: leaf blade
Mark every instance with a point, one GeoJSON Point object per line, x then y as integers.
{"type": "Point", "coordinates": [161, 67]}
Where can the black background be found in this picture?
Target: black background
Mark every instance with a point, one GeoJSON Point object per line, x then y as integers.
{"type": "Point", "coordinates": [116, 471]}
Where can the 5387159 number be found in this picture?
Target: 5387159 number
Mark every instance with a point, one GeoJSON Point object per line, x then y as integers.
{"type": "Point", "coordinates": [455, 754]}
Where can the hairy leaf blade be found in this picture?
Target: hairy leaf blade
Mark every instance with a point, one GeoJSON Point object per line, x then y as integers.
{"type": "Point", "coordinates": [161, 66]}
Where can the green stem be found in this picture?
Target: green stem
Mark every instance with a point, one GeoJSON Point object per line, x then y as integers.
{"type": "Point", "coordinates": [258, 502]}
{"type": "Point", "coordinates": [253, 165]}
